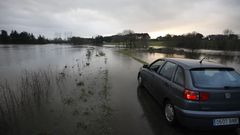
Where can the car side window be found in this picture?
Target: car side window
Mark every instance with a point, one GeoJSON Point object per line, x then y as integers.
{"type": "Point", "coordinates": [168, 70]}
{"type": "Point", "coordinates": [155, 66]}
{"type": "Point", "coordinates": [179, 76]}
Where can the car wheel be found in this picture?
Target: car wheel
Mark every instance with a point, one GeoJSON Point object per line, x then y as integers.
{"type": "Point", "coordinates": [140, 82]}
{"type": "Point", "coordinates": [169, 113]}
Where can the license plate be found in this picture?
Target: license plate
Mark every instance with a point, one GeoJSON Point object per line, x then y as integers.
{"type": "Point", "coordinates": [225, 121]}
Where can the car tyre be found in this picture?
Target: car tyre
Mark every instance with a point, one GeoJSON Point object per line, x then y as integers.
{"type": "Point", "coordinates": [169, 113]}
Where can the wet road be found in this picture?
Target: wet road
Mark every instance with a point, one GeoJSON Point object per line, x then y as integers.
{"type": "Point", "coordinates": [93, 90]}
{"type": "Point", "coordinates": [136, 112]}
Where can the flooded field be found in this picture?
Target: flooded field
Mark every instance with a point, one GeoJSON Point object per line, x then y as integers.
{"type": "Point", "coordinates": [87, 90]}
{"type": "Point", "coordinates": [227, 58]}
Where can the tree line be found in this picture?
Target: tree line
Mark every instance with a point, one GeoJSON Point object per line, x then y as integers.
{"type": "Point", "coordinates": [15, 37]}
{"type": "Point", "coordinates": [21, 38]}
{"type": "Point", "coordinates": [226, 41]}
{"type": "Point", "coordinates": [128, 38]}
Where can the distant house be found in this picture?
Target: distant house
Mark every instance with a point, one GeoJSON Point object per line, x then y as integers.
{"type": "Point", "coordinates": [142, 36]}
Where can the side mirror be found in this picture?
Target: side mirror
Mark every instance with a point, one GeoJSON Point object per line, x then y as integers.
{"type": "Point", "coordinates": [145, 66]}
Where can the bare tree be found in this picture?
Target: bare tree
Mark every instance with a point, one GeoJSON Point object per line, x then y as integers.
{"type": "Point", "coordinates": [127, 32]}
{"type": "Point", "coordinates": [228, 32]}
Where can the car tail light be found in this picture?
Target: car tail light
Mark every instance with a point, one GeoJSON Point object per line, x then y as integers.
{"type": "Point", "coordinates": [195, 95]}
{"type": "Point", "coordinates": [190, 95]}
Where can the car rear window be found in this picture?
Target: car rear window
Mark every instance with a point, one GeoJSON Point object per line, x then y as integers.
{"type": "Point", "coordinates": [215, 78]}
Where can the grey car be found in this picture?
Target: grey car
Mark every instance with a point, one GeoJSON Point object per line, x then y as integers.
{"type": "Point", "coordinates": [194, 93]}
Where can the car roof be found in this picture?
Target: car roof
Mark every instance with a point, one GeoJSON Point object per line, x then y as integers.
{"type": "Point", "coordinates": [194, 63]}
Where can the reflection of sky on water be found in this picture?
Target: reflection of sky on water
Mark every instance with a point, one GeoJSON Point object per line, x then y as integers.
{"type": "Point", "coordinates": [231, 60]}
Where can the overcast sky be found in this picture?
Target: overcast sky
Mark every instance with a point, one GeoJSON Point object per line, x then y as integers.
{"type": "Point", "coordinates": [87, 18]}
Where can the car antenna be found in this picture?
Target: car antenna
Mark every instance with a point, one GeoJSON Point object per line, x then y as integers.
{"type": "Point", "coordinates": [202, 60]}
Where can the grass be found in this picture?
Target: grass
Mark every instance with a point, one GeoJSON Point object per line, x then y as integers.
{"type": "Point", "coordinates": [23, 104]}
{"type": "Point", "coordinates": [150, 43]}
{"type": "Point", "coordinates": [8, 107]}
{"type": "Point", "coordinates": [101, 53]}
{"type": "Point", "coordinates": [156, 43]}
{"type": "Point", "coordinates": [68, 101]}
{"type": "Point", "coordinates": [31, 92]}
{"type": "Point", "coordinates": [75, 112]}
{"type": "Point", "coordinates": [80, 83]}
{"type": "Point", "coordinates": [129, 53]}
{"type": "Point", "coordinates": [112, 43]}
{"type": "Point", "coordinates": [81, 125]}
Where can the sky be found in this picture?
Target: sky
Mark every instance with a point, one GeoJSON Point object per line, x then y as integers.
{"type": "Point", "coordinates": [89, 18]}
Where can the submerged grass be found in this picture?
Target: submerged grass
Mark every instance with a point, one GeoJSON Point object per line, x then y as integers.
{"type": "Point", "coordinates": [25, 107]}
{"type": "Point", "coordinates": [156, 43]}
{"type": "Point", "coordinates": [101, 53]}
{"type": "Point", "coordinates": [129, 53]}
{"type": "Point", "coordinates": [80, 83]}
{"type": "Point", "coordinates": [17, 102]}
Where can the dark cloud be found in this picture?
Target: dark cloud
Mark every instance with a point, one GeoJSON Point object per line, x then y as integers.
{"type": "Point", "coordinates": [92, 17]}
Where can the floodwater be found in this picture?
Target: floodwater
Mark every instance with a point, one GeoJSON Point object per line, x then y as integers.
{"type": "Point", "coordinates": [87, 90]}
{"type": "Point", "coordinates": [224, 57]}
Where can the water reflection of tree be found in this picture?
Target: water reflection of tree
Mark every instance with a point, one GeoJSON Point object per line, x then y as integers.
{"type": "Point", "coordinates": [170, 55]}
{"type": "Point", "coordinates": [224, 59]}
{"type": "Point", "coordinates": [192, 55]}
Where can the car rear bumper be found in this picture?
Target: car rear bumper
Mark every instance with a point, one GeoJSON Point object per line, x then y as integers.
{"type": "Point", "coordinates": [204, 119]}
